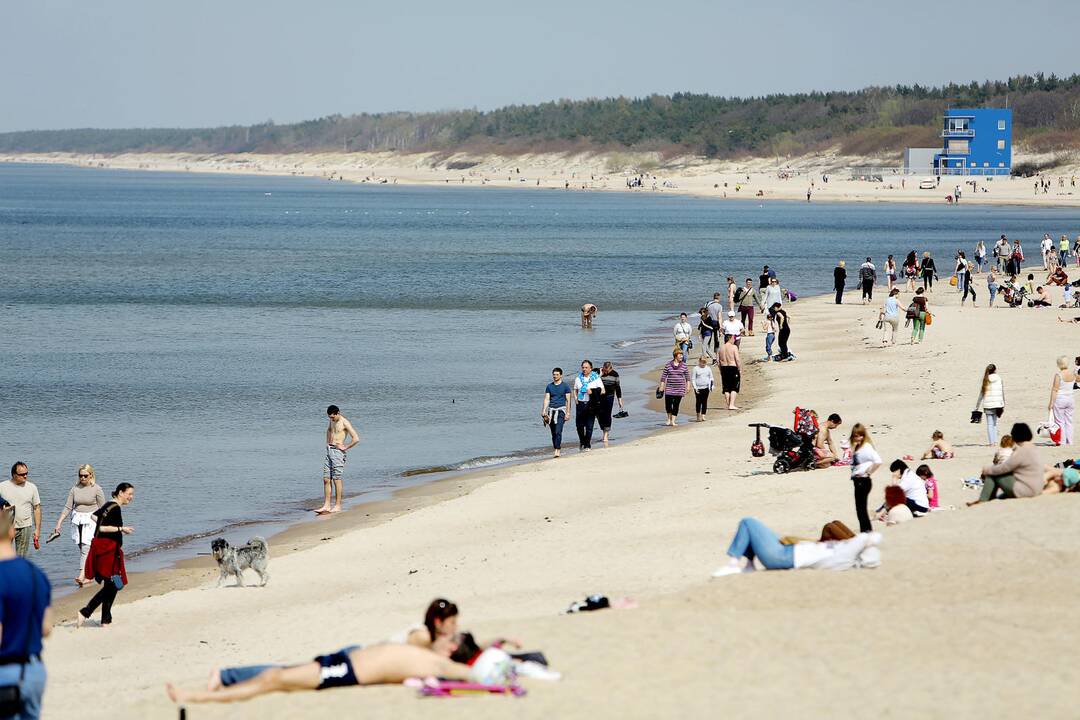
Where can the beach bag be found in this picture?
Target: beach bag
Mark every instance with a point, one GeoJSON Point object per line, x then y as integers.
{"type": "Point", "coordinates": [976, 417]}
{"type": "Point", "coordinates": [912, 312]}
{"type": "Point", "coordinates": [953, 281]}
{"type": "Point", "coordinates": [929, 319]}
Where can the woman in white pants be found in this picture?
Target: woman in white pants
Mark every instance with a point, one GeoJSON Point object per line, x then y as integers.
{"type": "Point", "coordinates": [992, 400]}
{"type": "Point", "coordinates": [82, 500]}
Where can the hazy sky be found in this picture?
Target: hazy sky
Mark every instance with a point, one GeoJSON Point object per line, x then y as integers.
{"type": "Point", "coordinates": [143, 63]}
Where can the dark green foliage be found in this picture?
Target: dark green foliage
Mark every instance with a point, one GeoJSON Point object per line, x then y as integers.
{"type": "Point", "coordinates": [873, 120]}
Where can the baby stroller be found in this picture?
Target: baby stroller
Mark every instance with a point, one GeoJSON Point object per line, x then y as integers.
{"type": "Point", "coordinates": [794, 449]}
{"type": "Point", "coordinates": [1014, 297]}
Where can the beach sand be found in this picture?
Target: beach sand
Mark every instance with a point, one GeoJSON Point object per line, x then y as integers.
{"type": "Point", "coordinates": [967, 616]}
{"type": "Point", "coordinates": [736, 179]}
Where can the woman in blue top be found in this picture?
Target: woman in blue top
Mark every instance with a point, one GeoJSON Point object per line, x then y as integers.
{"type": "Point", "coordinates": [556, 410]}
{"type": "Point", "coordinates": [890, 318]}
{"type": "Point", "coordinates": [587, 391]}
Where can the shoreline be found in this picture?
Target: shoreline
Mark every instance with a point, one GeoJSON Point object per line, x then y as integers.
{"type": "Point", "coordinates": [289, 536]}
{"type": "Point", "coordinates": [691, 177]}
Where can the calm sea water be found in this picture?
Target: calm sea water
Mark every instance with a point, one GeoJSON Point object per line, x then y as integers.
{"type": "Point", "coordinates": [186, 332]}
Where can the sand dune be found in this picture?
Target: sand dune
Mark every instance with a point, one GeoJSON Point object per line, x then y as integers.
{"type": "Point", "coordinates": [740, 179]}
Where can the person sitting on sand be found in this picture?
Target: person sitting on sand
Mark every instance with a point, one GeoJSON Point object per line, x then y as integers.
{"type": "Point", "coordinates": [825, 453]}
{"type": "Point", "coordinates": [913, 486]}
{"type": "Point", "coordinates": [375, 665]}
{"type": "Point", "coordinates": [930, 482]}
{"type": "Point", "coordinates": [896, 510]}
{"type": "Point", "coordinates": [1059, 277]}
{"type": "Point", "coordinates": [754, 540]}
{"type": "Point", "coordinates": [1005, 449]}
{"type": "Point", "coordinates": [939, 449]}
{"type": "Point", "coordinates": [1042, 298]}
{"type": "Point", "coordinates": [1021, 475]}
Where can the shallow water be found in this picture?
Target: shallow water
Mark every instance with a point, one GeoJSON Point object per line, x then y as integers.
{"type": "Point", "coordinates": [186, 332]}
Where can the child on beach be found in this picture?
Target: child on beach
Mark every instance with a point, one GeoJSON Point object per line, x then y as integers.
{"type": "Point", "coordinates": [939, 449]}
{"type": "Point", "coordinates": [924, 472]}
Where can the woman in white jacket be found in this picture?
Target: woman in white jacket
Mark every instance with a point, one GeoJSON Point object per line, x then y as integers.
{"type": "Point", "coordinates": [992, 400]}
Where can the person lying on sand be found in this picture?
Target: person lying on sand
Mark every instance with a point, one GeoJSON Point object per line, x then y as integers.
{"type": "Point", "coordinates": [754, 540]}
{"type": "Point", "coordinates": [355, 665]}
{"type": "Point", "coordinates": [939, 449]}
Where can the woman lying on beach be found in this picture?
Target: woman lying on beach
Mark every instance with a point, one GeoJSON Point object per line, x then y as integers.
{"type": "Point", "coordinates": [754, 540]}
{"type": "Point", "coordinates": [354, 665]}
{"type": "Point", "coordinates": [939, 449]}
{"type": "Point", "coordinates": [1021, 475]}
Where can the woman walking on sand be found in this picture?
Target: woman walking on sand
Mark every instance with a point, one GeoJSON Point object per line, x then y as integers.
{"type": "Point", "coordinates": [992, 400]}
{"type": "Point", "coordinates": [864, 461]}
{"type": "Point", "coordinates": [929, 271]}
{"type": "Point", "coordinates": [890, 318]}
{"type": "Point", "coordinates": [839, 275]}
{"type": "Point", "coordinates": [703, 381]}
{"type": "Point", "coordinates": [1061, 400]}
{"type": "Point", "coordinates": [783, 330]}
{"type": "Point", "coordinates": [980, 254]}
{"type": "Point", "coordinates": [673, 383]}
{"type": "Point", "coordinates": [105, 563]}
{"type": "Point", "coordinates": [917, 315]}
{"type": "Point", "coordinates": [968, 288]}
{"type": "Point", "coordinates": [706, 328]}
{"type": "Point", "coordinates": [911, 270]}
{"type": "Point", "coordinates": [612, 392]}
{"type": "Point", "coordinates": [890, 271]}
{"type": "Point", "coordinates": [82, 500]}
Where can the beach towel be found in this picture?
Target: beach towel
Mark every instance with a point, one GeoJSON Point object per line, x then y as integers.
{"type": "Point", "coordinates": [433, 687]}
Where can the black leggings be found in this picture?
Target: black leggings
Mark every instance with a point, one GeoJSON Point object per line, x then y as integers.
{"type": "Point", "coordinates": [671, 404]}
{"type": "Point", "coordinates": [104, 597]}
{"type": "Point", "coordinates": [701, 401]}
{"type": "Point", "coordinates": [968, 288]}
{"type": "Point", "coordinates": [915, 507]}
{"type": "Point", "coordinates": [862, 494]}
{"type": "Point", "coordinates": [782, 338]}
{"type": "Point", "coordinates": [928, 279]}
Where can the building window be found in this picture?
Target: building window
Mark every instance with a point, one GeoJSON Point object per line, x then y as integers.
{"type": "Point", "coordinates": [1001, 164]}
{"type": "Point", "coordinates": [1001, 144]}
{"type": "Point", "coordinates": [974, 164]}
{"type": "Point", "coordinates": [957, 147]}
{"type": "Point", "coordinates": [985, 164]}
{"type": "Point", "coordinates": [1001, 124]}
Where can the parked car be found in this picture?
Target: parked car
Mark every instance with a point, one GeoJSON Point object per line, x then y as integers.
{"type": "Point", "coordinates": [927, 184]}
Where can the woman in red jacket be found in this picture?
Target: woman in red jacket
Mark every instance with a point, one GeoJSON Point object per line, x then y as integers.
{"type": "Point", "coordinates": [105, 562]}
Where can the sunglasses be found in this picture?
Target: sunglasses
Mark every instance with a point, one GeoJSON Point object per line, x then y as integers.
{"type": "Point", "coordinates": [83, 476]}
{"type": "Point", "coordinates": [23, 474]}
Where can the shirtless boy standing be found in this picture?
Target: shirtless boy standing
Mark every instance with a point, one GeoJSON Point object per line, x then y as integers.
{"type": "Point", "coordinates": [334, 466]}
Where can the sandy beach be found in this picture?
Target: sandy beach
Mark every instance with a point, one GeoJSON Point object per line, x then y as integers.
{"type": "Point", "coordinates": [967, 616]}
{"type": "Point", "coordinates": [774, 179]}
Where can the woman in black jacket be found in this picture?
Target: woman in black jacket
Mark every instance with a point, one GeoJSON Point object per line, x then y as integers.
{"type": "Point", "coordinates": [839, 277]}
{"type": "Point", "coordinates": [929, 271]}
{"type": "Point", "coordinates": [612, 392]}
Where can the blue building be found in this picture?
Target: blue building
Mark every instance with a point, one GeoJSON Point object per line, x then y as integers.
{"type": "Point", "coordinates": [976, 142]}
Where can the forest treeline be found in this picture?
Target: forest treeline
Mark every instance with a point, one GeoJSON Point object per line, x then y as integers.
{"type": "Point", "coordinates": [871, 121]}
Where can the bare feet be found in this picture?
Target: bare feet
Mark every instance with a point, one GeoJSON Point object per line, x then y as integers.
{"type": "Point", "coordinates": [556, 453]}
{"type": "Point", "coordinates": [732, 407]}
{"type": "Point", "coordinates": [213, 682]}
{"type": "Point", "coordinates": [175, 694]}
{"type": "Point", "coordinates": [79, 619]}
{"type": "Point", "coordinates": [321, 510]}
{"type": "Point", "coordinates": [335, 509]}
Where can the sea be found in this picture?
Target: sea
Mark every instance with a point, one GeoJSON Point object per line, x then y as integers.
{"type": "Point", "coordinates": [186, 332]}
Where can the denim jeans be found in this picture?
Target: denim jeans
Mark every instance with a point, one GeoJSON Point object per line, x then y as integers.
{"type": "Point", "coordinates": [32, 687]}
{"type": "Point", "coordinates": [754, 540]}
{"type": "Point", "coordinates": [555, 424]}
{"type": "Point", "coordinates": [769, 338]}
{"type": "Point", "coordinates": [991, 426]}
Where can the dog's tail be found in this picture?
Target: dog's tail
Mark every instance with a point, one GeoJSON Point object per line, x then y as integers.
{"type": "Point", "coordinates": [259, 544]}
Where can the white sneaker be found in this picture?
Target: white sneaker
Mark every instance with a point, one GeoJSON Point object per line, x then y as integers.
{"type": "Point", "coordinates": [724, 570]}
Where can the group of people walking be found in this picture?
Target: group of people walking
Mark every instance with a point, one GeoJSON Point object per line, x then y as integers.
{"type": "Point", "coordinates": [595, 394]}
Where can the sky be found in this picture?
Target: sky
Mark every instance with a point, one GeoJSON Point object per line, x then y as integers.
{"type": "Point", "coordinates": [198, 63]}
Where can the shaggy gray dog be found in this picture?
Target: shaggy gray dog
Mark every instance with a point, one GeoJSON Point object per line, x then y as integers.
{"type": "Point", "coordinates": [233, 561]}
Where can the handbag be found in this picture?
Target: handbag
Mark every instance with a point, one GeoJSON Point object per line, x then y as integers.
{"type": "Point", "coordinates": [659, 393]}
{"type": "Point", "coordinates": [976, 416]}
{"type": "Point", "coordinates": [11, 702]}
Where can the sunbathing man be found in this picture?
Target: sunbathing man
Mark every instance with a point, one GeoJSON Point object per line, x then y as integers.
{"type": "Point", "coordinates": [374, 665]}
